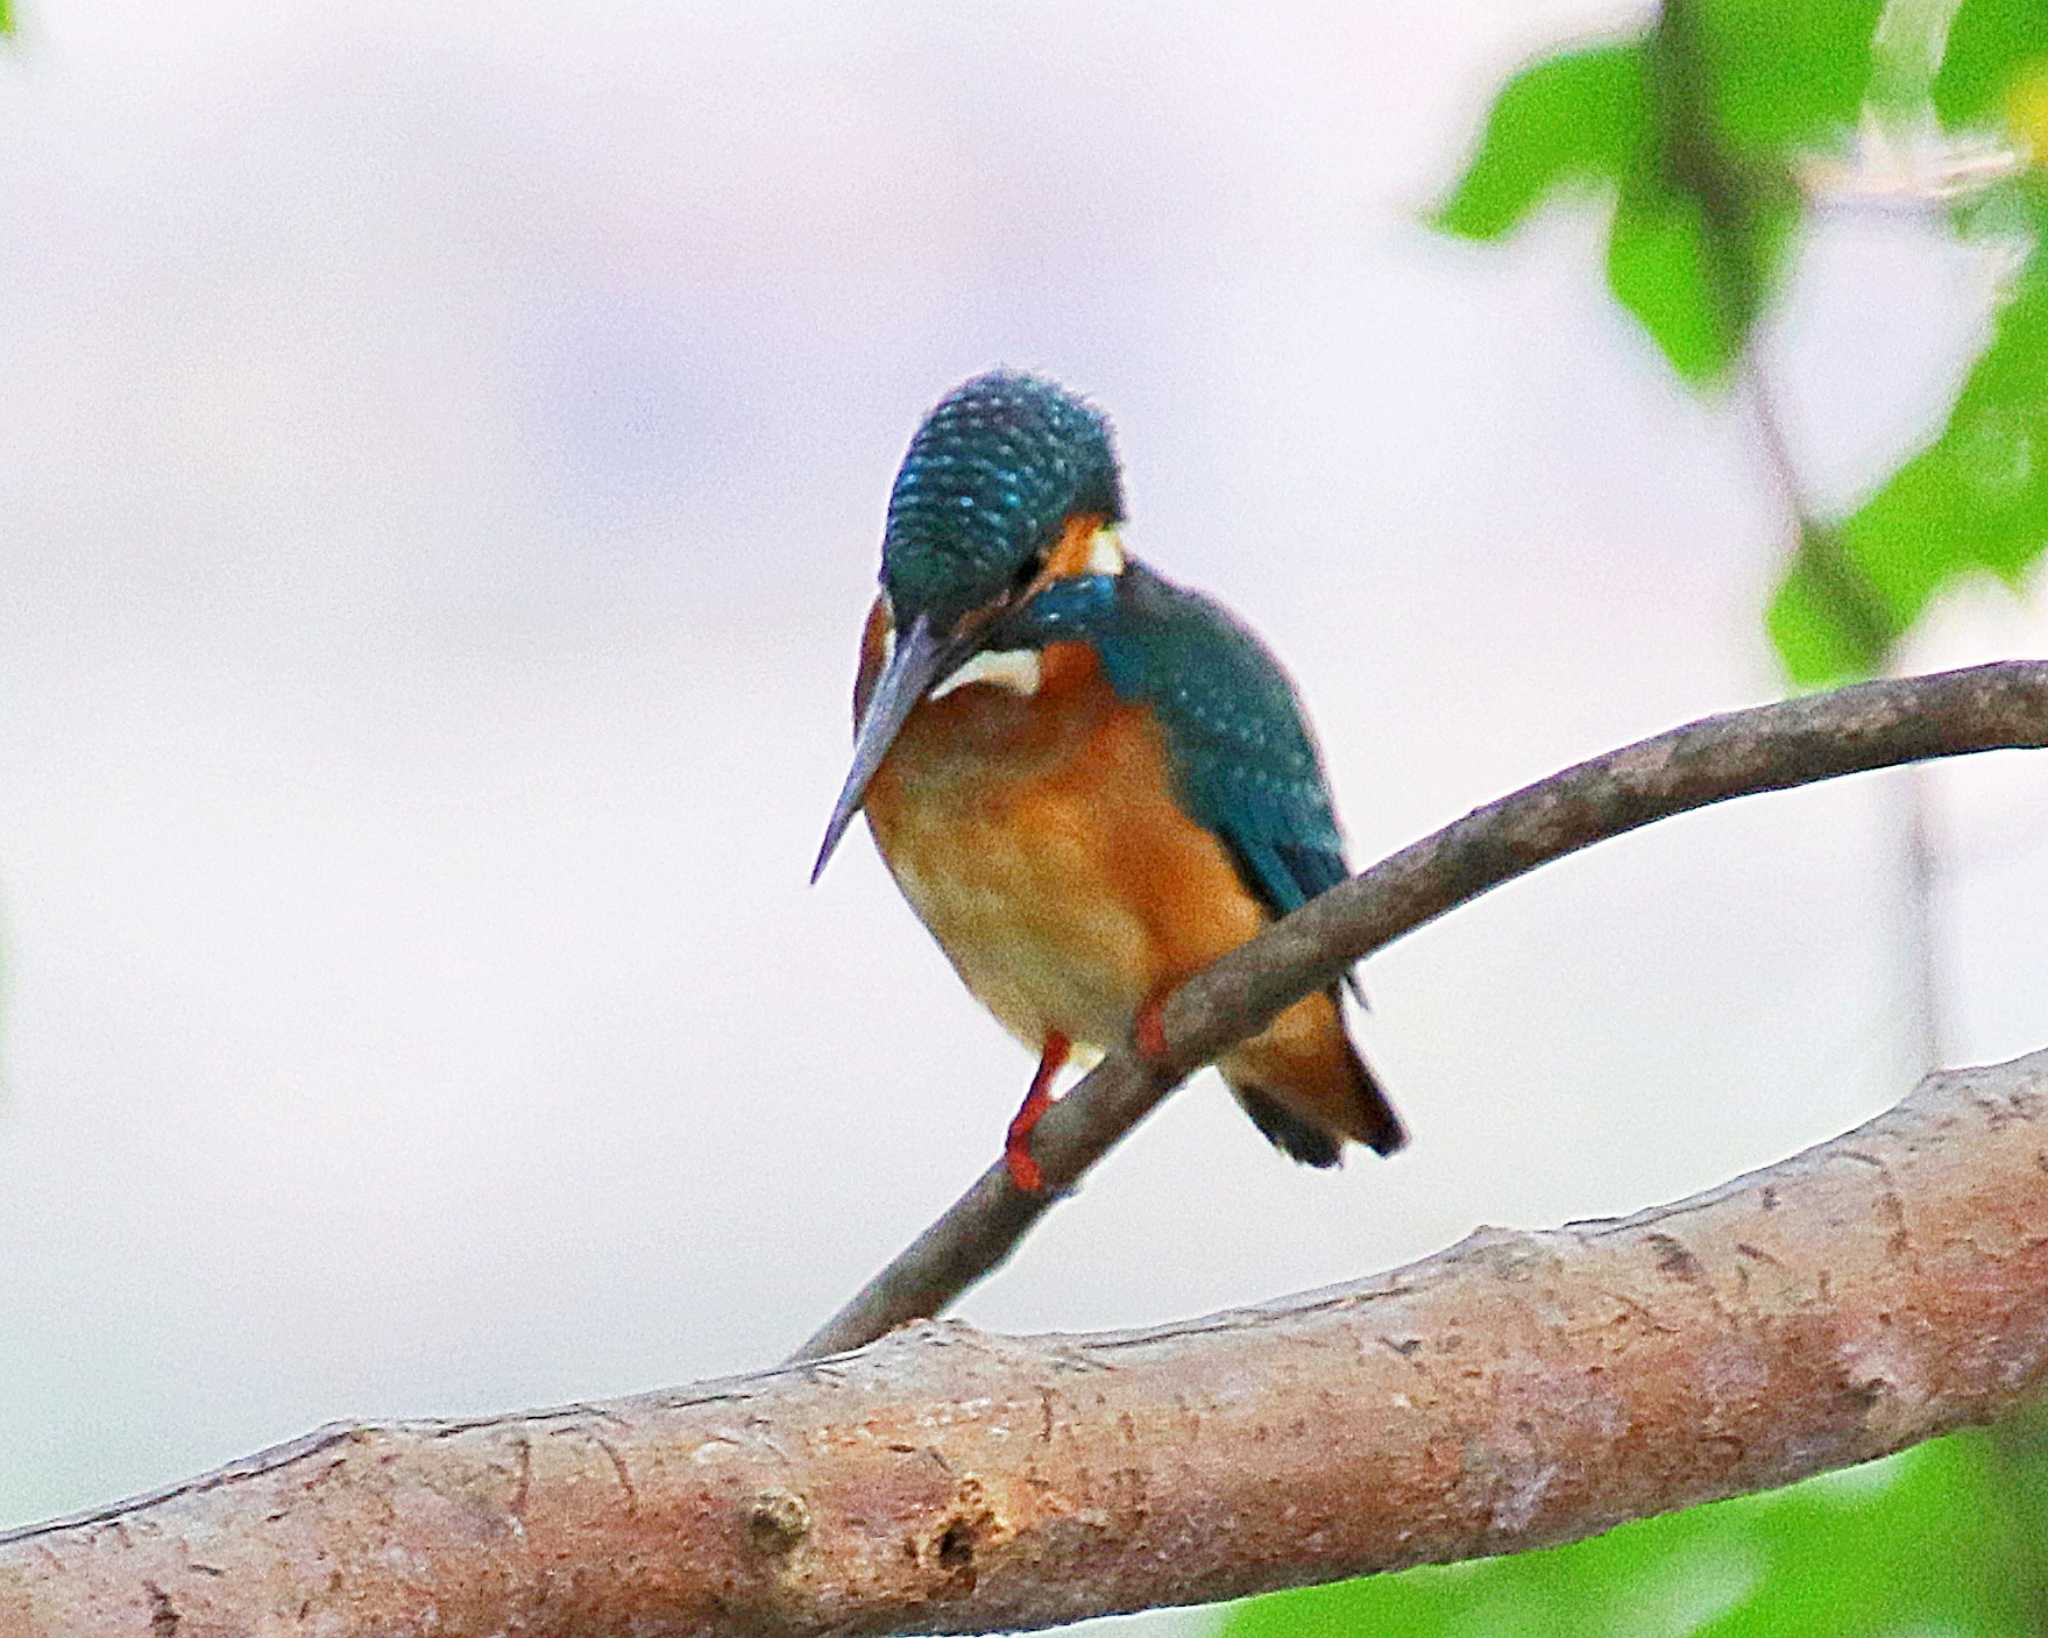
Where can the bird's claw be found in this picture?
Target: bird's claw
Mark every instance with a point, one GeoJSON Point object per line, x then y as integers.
{"type": "Point", "coordinates": [1148, 1030]}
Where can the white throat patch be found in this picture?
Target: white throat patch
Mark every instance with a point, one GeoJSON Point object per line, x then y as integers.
{"type": "Point", "coordinates": [1106, 551]}
{"type": "Point", "coordinates": [1021, 670]}
{"type": "Point", "coordinates": [1017, 669]}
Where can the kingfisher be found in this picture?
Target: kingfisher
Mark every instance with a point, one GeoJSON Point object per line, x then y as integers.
{"type": "Point", "coordinates": [1088, 781]}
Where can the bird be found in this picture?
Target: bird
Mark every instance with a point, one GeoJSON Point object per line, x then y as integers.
{"type": "Point", "coordinates": [1088, 781]}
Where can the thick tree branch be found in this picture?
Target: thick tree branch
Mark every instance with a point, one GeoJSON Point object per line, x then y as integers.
{"type": "Point", "coordinates": [1769, 748]}
{"type": "Point", "coordinates": [1516, 1390]}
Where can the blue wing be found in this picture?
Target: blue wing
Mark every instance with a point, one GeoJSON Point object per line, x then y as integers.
{"type": "Point", "coordinates": [1244, 761]}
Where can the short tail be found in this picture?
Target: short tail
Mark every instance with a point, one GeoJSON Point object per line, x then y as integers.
{"type": "Point", "coordinates": [1307, 1089]}
{"type": "Point", "coordinates": [1378, 1128]}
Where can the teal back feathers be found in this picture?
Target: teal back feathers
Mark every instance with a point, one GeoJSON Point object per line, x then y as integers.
{"type": "Point", "coordinates": [1244, 762]}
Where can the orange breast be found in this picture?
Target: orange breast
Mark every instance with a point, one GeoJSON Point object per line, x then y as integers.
{"type": "Point", "coordinates": [1038, 838]}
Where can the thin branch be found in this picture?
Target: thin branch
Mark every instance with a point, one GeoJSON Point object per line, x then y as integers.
{"type": "Point", "coordinates": [1924, 175]}
{"type": "Point", "coordinates": [1517, 1390]}
{"type": "Point", "coordinates": [1816, 544]}
{"type": "Point", "coordinates": [1768, 748]}
{"type": "Point", "coordinates": [1920, 939]}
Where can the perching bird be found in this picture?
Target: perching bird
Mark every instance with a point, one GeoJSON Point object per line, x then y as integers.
{"type": "Point", "coordinates": [1089, 782]}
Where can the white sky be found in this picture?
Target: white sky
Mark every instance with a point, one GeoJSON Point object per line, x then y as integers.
{"type": "Point", "coordinates": [443, 460]}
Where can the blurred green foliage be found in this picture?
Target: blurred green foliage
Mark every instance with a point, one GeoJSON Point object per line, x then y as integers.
{"type": "Point", "coordinates": [1689, 125]}
{"type": "Point", "coordinates": [1693, 128]}
{"type": "Point", "coordinates": [1777, 76]}
{"type": "Point", "coordinates": [1976, 498]}
{"type": "Point", "coordinates": [1991, 45]}
{"type": "Point", "coordinates": [1906, 1545]}
{"type": "Point", "coordinates": [1575, 117]}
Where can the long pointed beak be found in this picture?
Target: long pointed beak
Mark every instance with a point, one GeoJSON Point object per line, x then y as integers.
{"type": "Point", "coordinates": [919, 658]}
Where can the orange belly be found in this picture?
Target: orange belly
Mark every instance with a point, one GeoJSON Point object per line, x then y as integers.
{"type": "Point", "coordinates": [1038, 839]}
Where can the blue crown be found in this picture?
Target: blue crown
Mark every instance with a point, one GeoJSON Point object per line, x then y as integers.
{"type": "Point", "coordinates": [995, 471]}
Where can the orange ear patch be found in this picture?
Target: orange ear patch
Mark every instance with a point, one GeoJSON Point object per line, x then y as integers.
{"type": "Point", "coordinates": [1070, 556]}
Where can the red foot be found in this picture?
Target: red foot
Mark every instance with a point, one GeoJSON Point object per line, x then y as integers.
{"type": "Point", "coordinates": [1024, 1170]}
{"type": "Point", "coordinates": [1148, 1029]}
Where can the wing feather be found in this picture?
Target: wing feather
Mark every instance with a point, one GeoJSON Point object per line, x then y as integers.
{"type": "Point", "coordinates": [1244, 760]}
{"type": "Point", "coordinates": [1247, 764]}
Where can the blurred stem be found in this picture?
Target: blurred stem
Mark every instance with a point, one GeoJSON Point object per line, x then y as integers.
{"type": "Point", "coordinates": [1907, 51]}
{"type": "Point", "coordinates": [1922, 940]}
{"type": "Point", "coordinates": [1905, 55]}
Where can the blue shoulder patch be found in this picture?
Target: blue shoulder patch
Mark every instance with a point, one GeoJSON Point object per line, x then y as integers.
{"type": "Point", "coordinates": [1244, 763]}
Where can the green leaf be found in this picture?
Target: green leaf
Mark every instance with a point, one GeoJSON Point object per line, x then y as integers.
{"type": "Point", "coordinates": [1778, 75]}
{"type": "Point", "coordinates": [1974, 501]}
{"type": "Point", "coordinates": [1814, 623]}
{"type": "Point", "coordinates": [1578, 117]}
{"type": "Point", "coordinates": [1696, 279]}
{"type": "Point", "coordinates": [1989, 43]}
{"type": "Point", "coordinates": [1659, 266]}
{"type": "Point", "coordinates": [1699, 227]}
{"type": "Point", "coordinates": [1915, 1544]}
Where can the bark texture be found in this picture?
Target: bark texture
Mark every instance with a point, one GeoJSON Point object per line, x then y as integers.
{"type": "Point", "coordinates": [1516, 1390]}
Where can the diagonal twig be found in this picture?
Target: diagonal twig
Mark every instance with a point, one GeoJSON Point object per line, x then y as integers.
{"type": "Point", "coordinates": [1742, 753]}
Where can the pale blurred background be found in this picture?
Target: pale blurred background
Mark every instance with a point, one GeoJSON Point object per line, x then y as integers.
{"type": "Point", "coordinates": [442, 458]}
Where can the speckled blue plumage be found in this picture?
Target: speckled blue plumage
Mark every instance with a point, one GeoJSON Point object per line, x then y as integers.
{"type": "Point", "coordinates": [992, 474]}
{"type": "Point", "coordinates": [1244, 763]}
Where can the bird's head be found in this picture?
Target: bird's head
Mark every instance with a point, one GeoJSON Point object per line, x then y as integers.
{"type": "Point", "coordinates": [985, 493]}
{"type": "Point", "coordinates": [1010, 483]}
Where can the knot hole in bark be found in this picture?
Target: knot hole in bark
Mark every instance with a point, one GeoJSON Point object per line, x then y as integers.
{"type": "Point", "coordinates": [778, 1521]}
